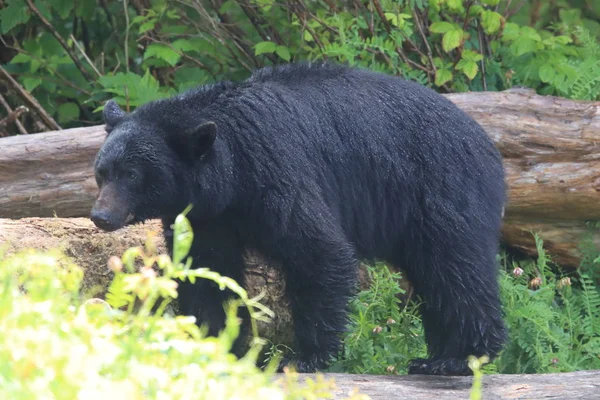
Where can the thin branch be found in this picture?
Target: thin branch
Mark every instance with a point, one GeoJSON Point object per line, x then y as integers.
{"type": "Point", "coordinates": [249, 9]}
{"type": "Point", "coordinates": [257, 21]}
{"type": "Point", "coordinates": [421, 31]}
{"type": "Point", "coordinates": [13, 116]}
{"type": "Point", "coordinates": [126, 44]}
{"type": "Point", "coordinates": [30, 100]}
{"type": "Point", "coordinates": [510, 13]}
{"type": "Point", "coordinates": [481, 47]}
{"type": "Point", "coordinates": [85, 55]}
{"type": "Point", "coordinates": [181, 53]}
{"type": "Point", "coordinates": [48, 67]}
{"type": "Point", "coordinates": [60, 40]}
{"type": "Point", "coordinates": [9, 110]}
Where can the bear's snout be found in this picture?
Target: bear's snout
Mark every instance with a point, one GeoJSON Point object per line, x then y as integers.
{"type": "Point", "coordinates": [101, 218]}
{"type": "Point", "coordinates": [110, 211]}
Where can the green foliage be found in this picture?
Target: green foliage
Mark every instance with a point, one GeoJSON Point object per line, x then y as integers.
{"type": "Point", "coordinates": [138, 54]}
{"type": "Point", "coordinates": [56, 345]}
{"type": "Point", "coordinates": [553, 321]}
{"type": "Point", "coordinates": [384, 334]}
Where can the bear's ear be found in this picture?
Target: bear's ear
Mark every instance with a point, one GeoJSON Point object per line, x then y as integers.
{"type": "Point", "coordinates": [112, 114]}
{"type": "Point", "coordinates": [201, 139]}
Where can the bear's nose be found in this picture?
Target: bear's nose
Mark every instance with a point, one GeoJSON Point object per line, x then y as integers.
{"type": "Point", "coordinates": [101, 219]}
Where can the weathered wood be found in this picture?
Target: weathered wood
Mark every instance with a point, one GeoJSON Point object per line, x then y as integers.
{"type": "Point", "coordinates": [551, 150]}
{"type": "Point", "coordinates": [550, 147]}
{"type": "Point", "coordinates": [571, 386]}
{"type": "Point", "coordinates": [49, 173]}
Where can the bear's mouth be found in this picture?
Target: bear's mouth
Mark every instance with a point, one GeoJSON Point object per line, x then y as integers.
{"type": "Point", "coordinates": [129, 219]}
{"type": "Point", "coordinates": [133, 219]}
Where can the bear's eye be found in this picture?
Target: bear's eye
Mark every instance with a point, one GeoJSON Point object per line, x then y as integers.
{"type": "Point", "coordinates": [101, 176]}
{"type": "Point", "coordinates": [132, 175]}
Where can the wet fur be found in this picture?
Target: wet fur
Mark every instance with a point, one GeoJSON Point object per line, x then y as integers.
{"type": "Point", "coordinates": [316, 167]}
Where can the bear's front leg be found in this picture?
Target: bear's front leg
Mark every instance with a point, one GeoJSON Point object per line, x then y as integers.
{"type": "Point", "coordinates": [215, 246]}
{"type": "Point", "coordinates": [320, 269]}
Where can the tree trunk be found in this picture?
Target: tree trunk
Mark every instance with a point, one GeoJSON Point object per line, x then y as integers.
{"type": "Point", "coordinates": [550, 147]}
{"type": "Point", "coordinates": [582, 385]}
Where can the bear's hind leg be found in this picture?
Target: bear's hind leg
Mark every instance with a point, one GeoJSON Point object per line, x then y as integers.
{"type": "Point", "coordinates": [457, 280]}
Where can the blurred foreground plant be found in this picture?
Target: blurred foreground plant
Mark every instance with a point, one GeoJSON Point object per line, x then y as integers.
{"type": "Point", "coordinates": [55, 345]}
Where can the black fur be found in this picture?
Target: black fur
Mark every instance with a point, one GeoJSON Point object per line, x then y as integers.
{"type": "Point", "coordinates": [316, 167]}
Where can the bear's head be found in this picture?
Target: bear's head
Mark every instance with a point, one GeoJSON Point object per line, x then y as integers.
{"type": "Point", "coordinates": [146, 169]}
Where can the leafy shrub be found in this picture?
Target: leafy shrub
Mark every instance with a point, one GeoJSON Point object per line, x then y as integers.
{"type": "Point", "coordinates": [55, 345]}
{"type": "Point", "coordinates": [137, 51]}
{"type": "Point", "coordinates": [384, 334]}
{"type": "Point", "coordinates": [553, 322]}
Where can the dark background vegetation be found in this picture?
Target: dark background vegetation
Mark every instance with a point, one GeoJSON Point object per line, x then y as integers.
{"type": "Point", "coordinates": [72, 55]}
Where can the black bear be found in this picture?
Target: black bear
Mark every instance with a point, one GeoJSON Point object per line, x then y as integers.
{"type": "Point", "coordinates": [317, 166]}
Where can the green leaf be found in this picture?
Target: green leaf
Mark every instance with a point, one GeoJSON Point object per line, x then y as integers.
{"type": "Point", "coordinates": [13, 14]}
{"type": "Point", "coordinates": [68, 112]}
{"type": "Point", "coordinates": [182, 236]}
{"type": "Point", "coordinates": [452, 39]}
{"type": "Point", "coordinates": [162, 52]}
{"type": "Point", "coordinates": [307, 36]}
{"type": "Point", "coordinates": [546, 73]}
{"type": "Point", "coordinates": [441, 27]}
{"type": "Point", "coordinates": [469, 68]}
{"type": "Point", "coordinates": [455, 5]}
{"type": "Point", "coordinates": [20, 58]}
{"type": "Point", "coordinates": [41, 6]}
{"type": "Point", "coordinates": [511, 31]}
{"type": "Point", "coordinates": [147, 26]}
{"type": "Point", "coordinates": [491, 21]}
{"type": "Point", "coordinates": [442, 76]}
{"type": "Point", "coordinates": [264, 47]}
{"type": "Point", "coordinates": [184, 45]}
{"type": "Point", "coordinates": [530, 33]}
{"type": "Point", "coordinates": [86, 8]}
{"type": "Point", "coordinates": [470, 55]}
{"type": "Point", "coordinates": [62, 7]}
{"type": "Point", "coordinates": [49, 44]}
{"type": "Point", "coordinates": [490, 2]}
{"type": "Point", "coordinates": [31, 83]}
{"type": "Point", "coordinates": [283, 52]}
{"type": "Point", "coordinates": [523, 45]}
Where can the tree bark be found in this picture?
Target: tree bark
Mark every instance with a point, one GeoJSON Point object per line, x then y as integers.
{"type": "Point", "coordinates": [570, 385]}
{"type": "Point", "coordinates": [550, 146]}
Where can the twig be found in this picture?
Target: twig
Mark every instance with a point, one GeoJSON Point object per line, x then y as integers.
{"type": "Point", "coordinates": [399, 50]}
{"type": "Point", "coordinates": [85, 55]}
{"type": "Point", "coordinates": [181, 53]}
{"type": "Point", "coordinates": [257, 21]}
{"type": "Point", "coordinates": [481, 47]}
{"type": "Point", "coordinates": [228, 28]}
{"type": "Point", "coordinates": [510, 13]}
{"type": "Point", "coordinates": [126, 49]}
{"type": "Point", "coordinates": [249, 9]}
{"type": "Point", "coordinates": [429, 53]}
{"type": "Point", "coordinates": [60, 40]}
{"type": "Point", "coordinates": [13, 116]}
{"type": "Point", "coordinates": [48, 67]}
{"type": "Point", "coordinates": [9, 110]}
{"type": "Point", "coordinates": [30, 100]}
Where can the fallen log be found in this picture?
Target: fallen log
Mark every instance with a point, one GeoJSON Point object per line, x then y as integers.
{"type": "Point", "coordinates": [569, 385]}
{"type": "Point", "coordinates": [550, 147]}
